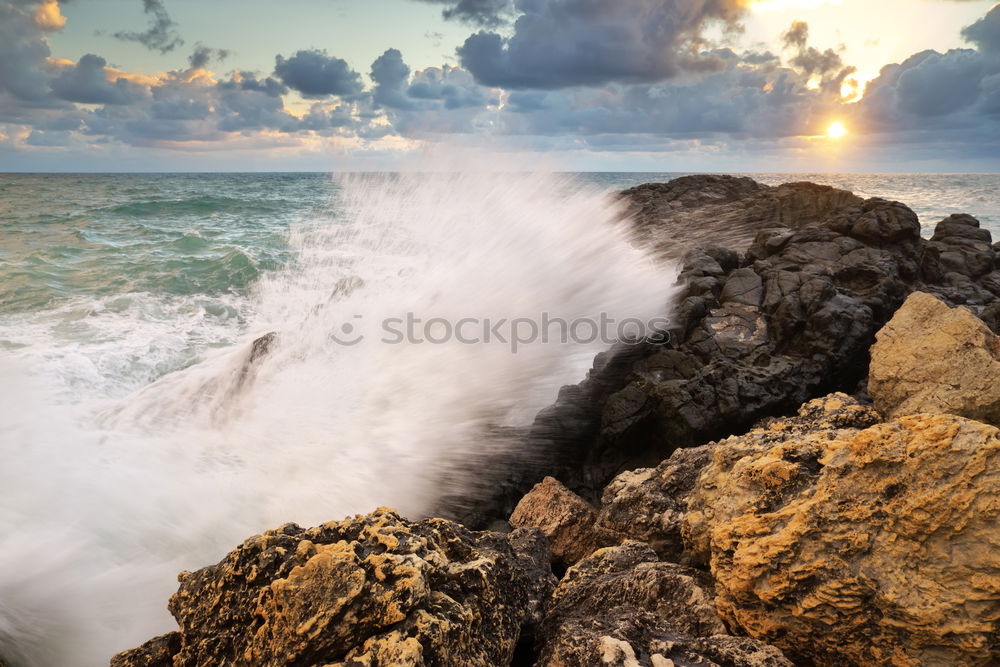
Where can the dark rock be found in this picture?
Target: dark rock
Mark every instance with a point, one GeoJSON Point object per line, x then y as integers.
{"type": "Point", "coordinates": [795, 320]}
{"type": "Point", "coordinates": [372, 590]}
{"type": "Point", "coordinates": [261, 346]}
{"type": "Point", "coordinates": [620, 606]}
{"type": "Point", "coordinates": [695, 211]}
{"type": "Point", "coordinates": [743, 288]}
{"type": "Point", "coordinates": [648, 504]}
{"type": "Point", "coordinates": [960, 246]}
{"type": "Point", "coordinates": [157, 651]}
{"type": "Point", "coordinates": [754, 334]}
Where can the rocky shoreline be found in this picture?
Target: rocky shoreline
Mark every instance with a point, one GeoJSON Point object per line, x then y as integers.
{"type": "Point", "coordinates": [805, 474]}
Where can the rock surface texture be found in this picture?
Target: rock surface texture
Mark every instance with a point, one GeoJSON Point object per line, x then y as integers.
{"type": "Point", "coordinates": [372, 590]}
{"type": "Point", "coordinates": [835, 537]}
{"type": "Point", "coordinates": [875, 547]}
{"type": "Point", "coordinates": [620, 606]}
{"type": "Point", "coordinates": [652, 504]}
{"type": "Point", "coordinates": [696, 211]}
{"type": "Point", "coordinates": [935, 359]}
{"type": "Point", "coordinates": [564, 518]}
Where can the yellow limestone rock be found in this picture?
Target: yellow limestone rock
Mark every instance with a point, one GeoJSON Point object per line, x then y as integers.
{"type": "Point", "coordinates": [886, 552]}
{"type": "Point", "coordinates": [931, 358]}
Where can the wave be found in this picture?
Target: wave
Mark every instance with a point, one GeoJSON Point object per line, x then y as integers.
{"type": "Point", "coordinates": [105, 500]}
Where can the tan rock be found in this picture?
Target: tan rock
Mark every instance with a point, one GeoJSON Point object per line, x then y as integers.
{"type": "Point", "coordinates": [374, 590]}
{"type": "Point", "coordinates": [565, 518]}
{"type": "Point", "coordinates": [886, 553]}
{"type": "Point", "coordinates": [650, 504]}
{"type": "Point", "coordinates": [931, 358]}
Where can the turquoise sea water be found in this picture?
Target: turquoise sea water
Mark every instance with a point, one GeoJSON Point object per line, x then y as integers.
{"type": "Point", "coordinates": [109, 281]}
{"type": "Point", "coordinates": [66, 236]}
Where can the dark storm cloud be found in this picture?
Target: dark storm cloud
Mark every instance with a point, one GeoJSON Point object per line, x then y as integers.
{"type": "Point", "coordinates": [249, 81]}
{"type": "Point", "coordinates": [391, 75]}
{"type": "Point", "coordinates": [563, 43]}
{"type": "Point", "coordinates": [813, 61]}
{"type": "Point", "coordinates": [162, 33]}
{"type": "Point", "coordinates": [315, 74]}
{"type": "Point", "coordinates": [985, 33]}
{"type": "Point", "coordinates": [24, 71]}
{"type": "Point", "coordinates": [435, 100]}
{"type": "Point", "coordinates": [949, 102]}
{"type": "Point", "coordinates": [242, 109]}
{"type": "Point", "coordinates": [484, 13]}
{"type": "Point", "coordinates": [739, 101]}
{"type": "Point", "coordinates": [430, 89]}
{"type": "Point", "coordinates": [929, 86]}
{"type": "Point", "coordinates": [87, 82]}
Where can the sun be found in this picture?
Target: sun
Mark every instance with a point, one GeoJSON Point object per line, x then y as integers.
{"type": "Point", "coordinates": [836, 130]}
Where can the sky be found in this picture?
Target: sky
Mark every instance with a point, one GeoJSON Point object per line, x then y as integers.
{"type": "Point", "coordinates": [583, 85]}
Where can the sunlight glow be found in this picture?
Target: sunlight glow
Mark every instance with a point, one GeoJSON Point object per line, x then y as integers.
{"type": "Point", "coordinates": [836, 131]}
{"type": "Point", "coordinates": [778, 5]}
{"type": "Point", "coordinates": [48, 17]}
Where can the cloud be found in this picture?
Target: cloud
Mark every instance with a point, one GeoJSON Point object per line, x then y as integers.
{"type": "Point", "coordinates": [563, 43]}
{"type": "Point", "coordinates": [315, 74]}
{"type": "Point", "coordinates": [484, 13]}
{"type": "Point", "coordinates": [49, 138]}
{"type": "Point", "coordinates": [825, 69]}
{"type": "Point", "coordinates": [453, 86]}
{"type": "Point", "coordinates": [797, 35]}
{"type": "Point", "coordinates": [162, 33]}
{"type": "Point", "coordinates": [202, 55]}
{"type": "Point", "coordinates": [87, 82]}
{"type": "Point", "coordinates": [249, 81]}
{"type": "Point", "coordinates": [742, 100]}
{"type": "Point", "coordinates": [985, 33]}
{"type": "Point", "coordinates": [926, 86]}
{"type": "Point", "coordinates": [24, 50]}
{"type": "Point", "coordinates": [590, 75]}
{"type": "Point", "coordinates": [946, 102]}
{"type": "Point", "coordinates": [391, 75]}
{"type": "Point", "coordinates": [435, 100]}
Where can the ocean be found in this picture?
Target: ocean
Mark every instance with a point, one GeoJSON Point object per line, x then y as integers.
{"type": "Point", "coordinates": [137, 437]}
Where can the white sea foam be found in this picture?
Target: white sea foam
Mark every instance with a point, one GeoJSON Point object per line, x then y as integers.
{"type": "Point", "coordinates": [103, 504]}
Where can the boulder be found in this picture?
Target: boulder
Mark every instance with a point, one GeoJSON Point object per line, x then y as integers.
{"type": "Point", "coordinates": [371, 590]}
{"type": "Point", "coordinates": [648, 504]}
{"type": "Point", "coordinates": [857, 547]}
{"type": "Point", "coordinates": [935, 359]}
{"type": "Point", "coordinates": [651, 504]}
{"type": "Point", "coordinates": [621, 606]}
{"type": "Point", "coordinates": [564, 518]}
{"type": "Point", "coordinates": [788, 313]}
